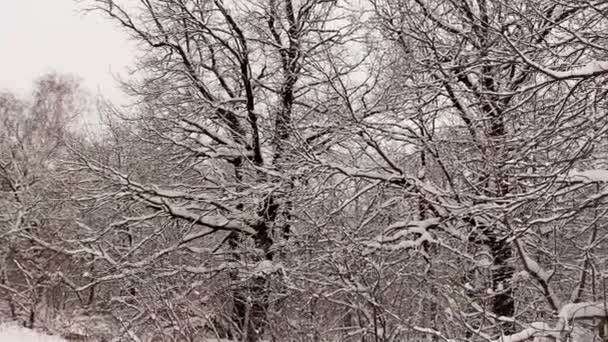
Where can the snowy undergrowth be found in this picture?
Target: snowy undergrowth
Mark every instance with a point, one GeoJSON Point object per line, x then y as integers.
{"type": "Point", "coordinates": [11, 332]}
{"type": "Point", "coordinates": [15, 333]}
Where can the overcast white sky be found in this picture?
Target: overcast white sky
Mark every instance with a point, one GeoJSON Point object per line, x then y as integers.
{"type": "Point", "coordinates": [39, 36]}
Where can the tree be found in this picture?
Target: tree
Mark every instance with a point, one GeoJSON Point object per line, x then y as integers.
{"type": "Point", "coordinates": [291, 172]}
{"type": "Point", "coordinates": [31, 137]}
{"type": "Point", "coordinates": [504, 105]}
{"type": "Point", "coordinates": [231, 97]}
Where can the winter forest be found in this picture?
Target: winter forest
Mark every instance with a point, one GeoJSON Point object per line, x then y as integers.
{"type": "Point", "coordinates": [319, 170]}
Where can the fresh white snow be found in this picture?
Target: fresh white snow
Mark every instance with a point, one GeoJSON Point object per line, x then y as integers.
{"type": "Point", "coordinates": [535, 329]}
{"type": "Point", "coordinates": [583, 310]}
{"type": "Point", "coordinates": [599, 176]}
{"type": "Point", "coordinates": [14, 333]}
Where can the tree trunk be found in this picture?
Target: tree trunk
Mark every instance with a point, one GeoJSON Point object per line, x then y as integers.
{"type": "Point", "coordinates": [503, 303]}
{"type": "Point", "coordinates": [250, 309]}
{"type": "Point", "coordinates": [251, 298]}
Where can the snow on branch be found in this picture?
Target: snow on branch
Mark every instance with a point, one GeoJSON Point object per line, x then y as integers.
{"type": "Point", "coordinates": [389, 239]}
{"type": "Point", "coordinates": [568, 313]}
{"type": "Point", "coordinates": [217, 222]}
{"type": "Point", "coordinates": [166, 200]}
{"type": "Point", "coordinates": [587, 176]}
{"type": "Point", "coordinates": [541, 275]}
{"type": "Point", "coordinates": [593, 68]}
{"type": "Point", "coordinates": [584, 310]}
{"type": "Point", "coordinates": [535, 329]}
{"type": "Point", "coordinates": [434, 333]}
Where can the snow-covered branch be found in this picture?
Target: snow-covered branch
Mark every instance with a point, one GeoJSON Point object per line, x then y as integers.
{"type": "Point", "coordinates": [567, 314]}
{"type": "Point", "coordinates": [541, 275]}
{"type": "Point", "coordinates": [400, 230]}
{"type": "Point", "coordinates": [591, 69]}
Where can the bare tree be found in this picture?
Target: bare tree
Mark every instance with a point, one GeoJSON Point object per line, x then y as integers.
{"type": "Point", "coordinates": [30, 146]}
{"type": "Point", "coordinates": [325, 170]}
{"type": "Point", "coordinates": [233, 96]}
{"type": "Point", "coordinates": [503, 102]}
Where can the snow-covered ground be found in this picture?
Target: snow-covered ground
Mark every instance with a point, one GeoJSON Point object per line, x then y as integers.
{"type": "Point", "coordinates": [13, 333]}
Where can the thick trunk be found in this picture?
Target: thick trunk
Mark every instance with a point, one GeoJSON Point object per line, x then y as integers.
{"type": "Point", "coordinates": [503, 303]}
{"type": "Point", "coordinates": [250, 297]}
